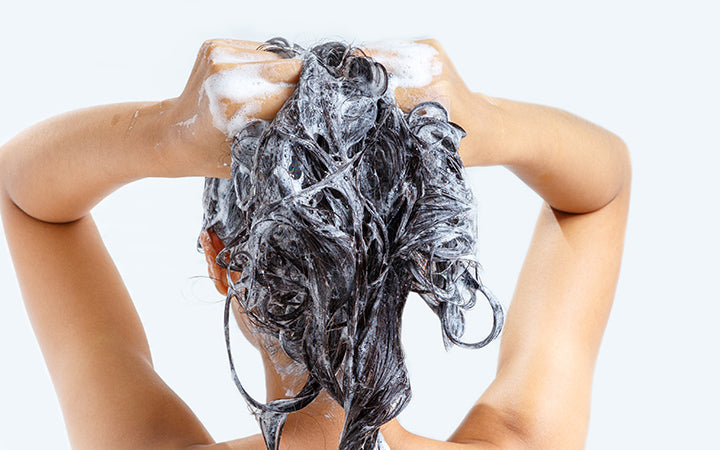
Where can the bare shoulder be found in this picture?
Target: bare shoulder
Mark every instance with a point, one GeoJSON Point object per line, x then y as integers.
{"type": "Point", "coordinates": [395, 435]}
{"type": "Point", "coordinates": [398, 438]}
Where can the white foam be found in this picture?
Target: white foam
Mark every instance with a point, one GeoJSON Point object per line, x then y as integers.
{"type": "Point", "coordinates": [411, 64]}
{"type": "Point", "coordinates": [221, 202]}
{"type": "Point", "coordinates": [281, 172]}
{"type": "Point", "coordinates": [187, 123]}
{"type": "Point", "coordinates": [242, 85]}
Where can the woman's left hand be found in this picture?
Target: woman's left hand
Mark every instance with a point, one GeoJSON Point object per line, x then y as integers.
{"type": "Point", "coordinates": [231, 84]}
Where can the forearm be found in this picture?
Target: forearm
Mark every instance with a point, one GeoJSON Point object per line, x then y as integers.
{"type": "Point", "coordinates": [576, 166]}
{"type": "Point", "coordinates": [57, 170]}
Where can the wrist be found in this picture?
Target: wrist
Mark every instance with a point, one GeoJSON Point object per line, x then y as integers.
{"type": "Point", "coordinates": [151, 135]}
{"type": "Point", "coordinates": [188, 144]}
{"type": "Point", "coordinates": [482, 117]}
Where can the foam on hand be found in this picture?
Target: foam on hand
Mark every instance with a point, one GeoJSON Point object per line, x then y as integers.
{"type": "Point", "coordinates": [222, 55]}
{"type": "Point", "coordinates": [242, 85]}
{"type": "Point", "coordinates": [411, 64]}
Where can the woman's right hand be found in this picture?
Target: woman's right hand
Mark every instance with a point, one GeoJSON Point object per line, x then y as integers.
{"type": "Point", "coordinates": [421, 71]}
{"type": "Point", "coordinates": [574, 165]}
{"type": "Point", "coordinates": [231, 84]}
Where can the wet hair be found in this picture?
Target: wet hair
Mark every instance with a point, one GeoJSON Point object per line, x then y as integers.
{"type": "Point", "coordinates": [336, 210]}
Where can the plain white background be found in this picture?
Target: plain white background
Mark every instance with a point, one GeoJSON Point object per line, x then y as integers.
{"type": "Point", "coordinates": [648, 71]}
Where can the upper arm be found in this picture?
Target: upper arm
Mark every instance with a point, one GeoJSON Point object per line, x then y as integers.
{"type": "Point", "coordinates": [92, 339]}
{"type": "Point", "coordinates": [554, 327]}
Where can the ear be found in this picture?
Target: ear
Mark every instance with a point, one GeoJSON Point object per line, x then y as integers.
{"type": "Point", "coordinates": [212, 245]}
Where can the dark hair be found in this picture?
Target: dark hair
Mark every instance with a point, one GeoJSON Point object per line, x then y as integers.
{"type": "Point", "coordinates": [336, 210]}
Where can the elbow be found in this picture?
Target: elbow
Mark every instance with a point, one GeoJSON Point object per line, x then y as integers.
{"type": "Point", "coordinates": [621, 171]}
{"type": "Point", "coordinates": [4, 172]}
{"type": "Point", "coordinates": [628, 167]}
{"type": "Point", "coordinates": [2, 169]}
{"type": "Point", "coordinates": [624, 157]}
{"type": "Point", "coordinates": [624, 170]}
{"type": "Point", "coordinates": [9, 153]}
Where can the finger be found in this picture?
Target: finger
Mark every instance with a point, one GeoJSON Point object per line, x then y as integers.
{"type": "Point", "coordinates": [230, 51]}
{"type": "Point", "coordinates": [267, 106]}
{"type": "Point", "coordinates": [230, 43]}
{"type": "Point", "coordinates": [391, 47]}
{"type": "Point", "coordinates": [281, 71]}
{"type": "Point", "coordinates": [239, 44]}
{"type": "Point", "coordinates": [273, 71]}
{"type": "Point", "coordinates": [233, 51]}
{"type": "Point", "coordinates": [272, 103]}
{"type": "Point", "coordinates": [431, 42]}
{"type": "Point", "coordinates": [374, 52]}
{"type": "Point", "coordinates": [231, 55]}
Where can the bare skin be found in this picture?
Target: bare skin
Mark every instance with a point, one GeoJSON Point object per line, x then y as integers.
{"type": "Point", "coordinates": [95, 346]}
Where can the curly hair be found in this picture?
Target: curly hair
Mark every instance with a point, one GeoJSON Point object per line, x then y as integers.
{"type": "Point", "coordinates": [336, 210]}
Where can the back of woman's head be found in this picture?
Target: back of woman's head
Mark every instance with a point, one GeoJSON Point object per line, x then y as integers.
{"type": "Point", "coordinates": [336, 210]}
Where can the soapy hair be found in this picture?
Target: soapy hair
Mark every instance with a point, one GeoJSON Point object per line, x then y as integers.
{"type": "Point", "coordinates": [336, 210]}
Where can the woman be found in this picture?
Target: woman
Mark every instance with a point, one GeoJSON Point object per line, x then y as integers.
{"type": "Point", "coordinates": [92, 339]}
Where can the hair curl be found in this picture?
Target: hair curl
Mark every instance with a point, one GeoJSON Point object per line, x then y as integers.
{"type": "Point", "coordinates": [336, 210]}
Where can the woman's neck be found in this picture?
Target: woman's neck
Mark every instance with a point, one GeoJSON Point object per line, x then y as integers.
{"type": "Point", "coordinates": [320, 422]}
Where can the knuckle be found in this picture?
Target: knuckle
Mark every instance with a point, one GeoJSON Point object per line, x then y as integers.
{"type": "Point", "coordinates": [431, 42]}
{"type": "Point", "coordinates": [214, 67]}
{"type": "Point", "coordinates": [208, 46]}
{"type": "Point", "coordinates": [270, 71]}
